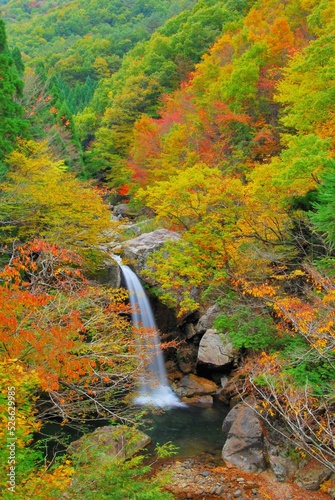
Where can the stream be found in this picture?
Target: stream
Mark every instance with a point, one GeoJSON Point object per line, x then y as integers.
{"type": "Point", "coordinates": [193, 429]}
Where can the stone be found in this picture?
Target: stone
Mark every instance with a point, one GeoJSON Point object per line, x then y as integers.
{"type": "Point", "coordinates": [110, 274]}
{"type": "Point", "coordinates": [138, 249]}
{"type": "Point", "coordinates": [186, 358]}
{"type": "Point", "coordinates": [277, 452]}
{"type": "Point", "coordinates": [198, 400]}
{"type": "Point", "coordinates": [215, 351]}
{"type": "Point", "coordinates": [121, 210]}
{"type": "Point", "coordinates": [118, 441]}
{"type": "Point", "coordinates": [244, 446]}
{"type": "Point", "coordinates": [237, 494]}
{"type": "Point", "coordinates": [206, 321]}
{"type": "Point", "coordinates": [192, 385]}
{"type": "Point", "coordinates": [224, 382]}
{"type": "Point", "coordinates": [312, 475]}
{"type": "Point", "coordinates": [190, 331]}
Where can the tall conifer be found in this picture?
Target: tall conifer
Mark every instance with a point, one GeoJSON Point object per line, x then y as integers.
{"type": "Point", "coordinates": [12, 124]}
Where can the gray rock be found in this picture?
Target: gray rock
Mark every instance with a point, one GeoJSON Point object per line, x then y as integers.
{"type": "Point", "coordinates": [206, 321]}
{"type": "Point", "coordinates": [122, 210]}
{"type": "Point", "coordinates": [224, 382]}
{"type": "Point", "coordinates": [190, 331]}
{"type": "Point", "coordinates": [281, 465]}
{"type": "Point", "coordinates": [312, 475]}
{"type": "Point", "coordinates": [215, 351]}
{"type": "Point", "coordinates": [245, 443]}
{"type": "Point", "coordinates": [109, 275]}
{"type": "Point", "coordinates": [138, 249]}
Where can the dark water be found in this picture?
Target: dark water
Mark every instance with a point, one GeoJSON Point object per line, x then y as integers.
{"type": "Point", "coordinates": [193, 429]}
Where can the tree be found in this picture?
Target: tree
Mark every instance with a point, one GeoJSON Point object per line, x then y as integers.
{"type": "Point", "coordinates": [12, 124]}
{"type": "Point", "coordinates": [40, 198]}
{"type": "Point", "coordinates": [323, 216]}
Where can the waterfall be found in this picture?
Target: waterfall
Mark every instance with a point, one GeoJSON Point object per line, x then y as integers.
{"type": "Point", "coordinates": [154, 388]}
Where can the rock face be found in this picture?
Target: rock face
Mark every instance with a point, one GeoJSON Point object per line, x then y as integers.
{"type": "Point", "coordinates": [206, 321]}
{"type": "Point", "coordinates": [215, 351]}
{"type": "Point", "coordinates": [195, 387]}
{"type": "Point", "coordinates": [119, 441]}
{"type": "Point", "coordinates": [245, 443]}
{"type": "Point", "coordinates": [139, 249]}
{"type": "Point", "coordinates": [109, 275]}
{"type": "Point", "coordinates": [187, 356]}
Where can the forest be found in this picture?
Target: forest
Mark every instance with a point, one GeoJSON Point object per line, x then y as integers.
{"type": "Point", "coordinates": [214, 119]}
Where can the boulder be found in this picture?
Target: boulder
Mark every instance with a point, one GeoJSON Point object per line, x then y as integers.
{"type": "Point", "coordinates": [215, 351]}
{"type": "Point", "coordinates": [122, 210]}
{"type": "Point", "coordinates": [277, 451]}
{"type": "Point", "coordinates": [312, 475]}
{"type": "Point", "coordinates": [244, 447]}
{"type": "Point", "coordinates": [138, 249]}
{"type": "Point", "coordinates": [186, 358]}
{"type": "Point", "coordinates": [113, 442]}
{"type": "Point", "coordinates": [191, 385]}
{"type": "Point", "coordinates": [110, 274]}
{"type": "Point", "coordinates": [190, 331]}
{"type": "Point", "coordinates": [206, 321]}
{"type": "Point", "coordinates": [206, 400]}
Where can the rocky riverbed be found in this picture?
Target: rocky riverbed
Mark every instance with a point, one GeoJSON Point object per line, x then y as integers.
{"type": "Point", "coordinates": [206, 478]}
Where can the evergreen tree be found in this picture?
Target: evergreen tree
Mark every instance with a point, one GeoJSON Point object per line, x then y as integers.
{"type": "Point", "coordinates": [17, 57]}
{"type": "Point", "coordinates": [12, 124]}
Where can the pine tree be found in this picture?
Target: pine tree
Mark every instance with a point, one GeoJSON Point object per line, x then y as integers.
{"type": "Point", "coordinates": [12, 124]}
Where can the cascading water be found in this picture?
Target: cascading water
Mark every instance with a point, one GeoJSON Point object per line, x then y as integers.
{"type": "Point", "coordinates": [154, 388]}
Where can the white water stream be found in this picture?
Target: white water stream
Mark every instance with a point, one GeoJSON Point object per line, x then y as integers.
{"type": "Point", "coordinates": [154, 388]}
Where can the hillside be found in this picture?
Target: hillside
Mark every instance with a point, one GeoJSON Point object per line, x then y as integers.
{"type": "Point", "coordinates": [214, 119]}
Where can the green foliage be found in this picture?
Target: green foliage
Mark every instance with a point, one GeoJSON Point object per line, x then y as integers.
{"type": "Point", "coordinates": [71, 38]}
{"type": "Point", "coordinates": [147, 72]}
{"type": "Point", "coordinates": [318, 375]}
{"type": "Point", "coordinates": [323, 216]}
{"type": "Point", "coordinates": [166, 450]}
{"type": "Point", "coordinates": [115, 479]}
{"type": "Point", "coordinates": [245, 327]}
{"type": "Point", "coordinates": [12, 124]}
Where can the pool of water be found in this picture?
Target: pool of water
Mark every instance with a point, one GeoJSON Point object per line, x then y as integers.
{"type": "Point", "coordinates": [193, 429]}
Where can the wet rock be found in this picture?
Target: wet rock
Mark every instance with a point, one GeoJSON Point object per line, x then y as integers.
{"type": "Point", "coordinates": [198, 400]}
{"type": "Point", "coordinates": [173, 372]}
{"type": "Point", "coordinates": [187, 355]}
{"type": "Point", "coordinates": [191, 385]}
{"type": "Point", "coordinates": [110, 274]}
{"type": "Point", "coordinates": [215, 351]}
{"type": "Point", "coordinates": [206, 321]}
{"type": "Point", "coordinates": [245, 443]}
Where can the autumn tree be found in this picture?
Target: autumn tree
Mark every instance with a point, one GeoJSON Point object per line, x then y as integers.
{"type": "Point", "coordinates": [41, 198]}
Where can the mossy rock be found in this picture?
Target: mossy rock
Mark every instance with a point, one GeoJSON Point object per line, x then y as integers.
{"type": "Point", "coordinates": [110, 442]}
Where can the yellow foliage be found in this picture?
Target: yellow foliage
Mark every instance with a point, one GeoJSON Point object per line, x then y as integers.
{"type": "Point", "coordinates": [40, 198]}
